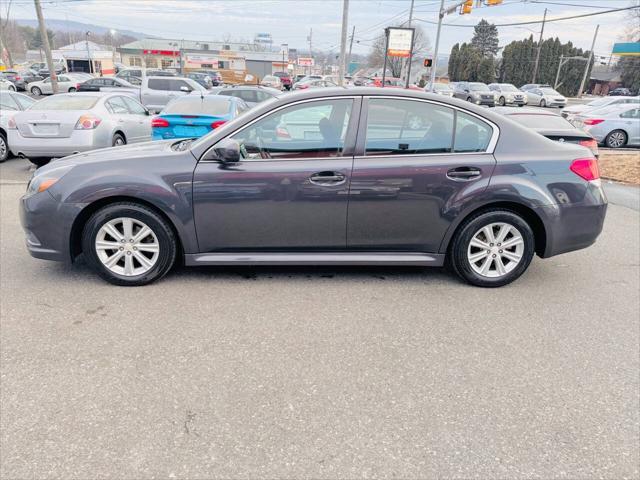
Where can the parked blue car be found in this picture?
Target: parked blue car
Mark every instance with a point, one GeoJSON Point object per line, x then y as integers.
{"type": "Point", "coordinates": [192, 116]}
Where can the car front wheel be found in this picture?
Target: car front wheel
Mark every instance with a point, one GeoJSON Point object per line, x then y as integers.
{"type": "Point", "coordinates": [492, 248]}
{"type": "Point", "coordinates": [543, 103]}
{"type": "Point", "coordinates": [118, 140]}
{"type": "Point", "coordinates": [4, 148]}
{"type": "Point", "coordinates": [502, 101]}
{"type": "Point", "coordinates": [36, 91]}
{"type": "Point", "coordinates": [616, 139]}
{"type": "Point", "coordinates": [129, 244]}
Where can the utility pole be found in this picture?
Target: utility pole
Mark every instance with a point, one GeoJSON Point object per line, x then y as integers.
{"type": "Point", "coordinates": [310, 38]}
{"type": "Point", "coordinates": [555, 84]}
{"type": "Point", "coordinates": [586, 68]}
{"type": "Point", "coordinates": [535, 67]}
{"type": "Point", "coordinates": [88, 52]}
{"type": "Point", "coordinates": [408, 64]}
{"type": "Point", "coordinates": [343, 41]}
{"type": "Point", "coordinates": [353, 33]}
{"type": "Point", "coordinates": [47, 47]}
{"type": "Point", "coordinates": [434, 64]}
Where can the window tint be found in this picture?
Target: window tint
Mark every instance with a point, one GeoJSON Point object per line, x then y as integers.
{"type": "Point", "coordinates": [309, 130]}
{"type": "Point", "coordinates": [159, 84]}
{"type": "Point", "coordinates": [176, 85]}
{"type": "Point", "coordinates": [134, 107]}
{"type": "Point", "coordinates": [117, 105]}
{"type": "Point", "coordinates": [109, 82]}
{"type": "Point", "coordinates": [634, 113]}
{"type": "Point", "coordinates": [472, 134]}
{"type": "Point", "coordinates": [406, 126]}
{"type": "Point", "coordinates": [7, 103]}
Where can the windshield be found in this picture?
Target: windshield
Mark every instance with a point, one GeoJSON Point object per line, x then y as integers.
{"type": "Point", "coordinates": [478, 86]}
{"type": "Point", "coordinates": [549, 91]}
{"type": "Point", "coordinates": [507, 87]}
{"type": "Point", "coordinates": [65, 102]}
{"type": "Point", "coordinates": [541, 121]}
{"type": "Point", "coordinates": [214, 105]}
{"type": "Point", "coordinates": [441, 86]}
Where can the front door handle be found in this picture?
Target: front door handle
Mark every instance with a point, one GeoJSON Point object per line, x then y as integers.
{"type": "Point", "coordinates": [327, 178]}
{"type": "Point", "coordinates": [464, 173]}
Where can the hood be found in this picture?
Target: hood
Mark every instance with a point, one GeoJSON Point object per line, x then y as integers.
{"type": "Point", "coordinates": [149, 149]}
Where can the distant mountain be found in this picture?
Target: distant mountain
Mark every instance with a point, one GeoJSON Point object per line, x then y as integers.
{"type": "Point", "coordinates": [71, 26]}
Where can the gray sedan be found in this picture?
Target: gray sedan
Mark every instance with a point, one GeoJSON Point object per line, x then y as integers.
{"type": "Point", "coordinates": [327, 176]}
{"type": "Point", "coordinates": [546, 97]}
{"type": "Point", "coordinates": [475, 92]}
{"type": "Point", "coordinates": [65, 124]}
{"type": "Point", "coordinates": [614, 126]}
{"type": "Point", "coordinates": [10, 104]}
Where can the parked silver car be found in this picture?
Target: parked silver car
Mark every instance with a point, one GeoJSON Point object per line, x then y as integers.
{"type": "Point", "coordinates": [441, 89]}
{"type": "Point", "coordinates": [67, 82]}
{"type": "Point", "coordinates": [65, 124]}
{"type": "Point", "coordinates": [614, 126]}
{"type": "Point", "coordinates": [508, 94]}
{"type": "Point", "coordinates": [156, 92]}
{"type": "Point", "coordinates": [546, 97]}
{"type": "Point", "coordinates": [475, 92]}
{"type": "Point", "coordinates": [600, 102]}
{"type": "Point", "coordinates": [10, 104]}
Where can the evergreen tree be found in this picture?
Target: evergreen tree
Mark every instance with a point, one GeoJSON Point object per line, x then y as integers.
{"type": "Point", "coordinates": [452, 67]}
{"type": "Point", "coordinates": [485, 38]}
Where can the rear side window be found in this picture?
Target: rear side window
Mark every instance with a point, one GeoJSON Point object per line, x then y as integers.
{"type": "Point", "coordinates": [472, 134]}
{"type": "Point", "coordinates": [159, 84]}
{"type": "Point", "coordinates": [396, 127]}
{"type": "Point", "coordinates": [117, 105]}
{"type": "Point", "coordinates": [634, 113]}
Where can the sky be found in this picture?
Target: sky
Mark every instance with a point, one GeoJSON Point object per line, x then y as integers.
{"type": "Point", "coordinates": [289, 21]}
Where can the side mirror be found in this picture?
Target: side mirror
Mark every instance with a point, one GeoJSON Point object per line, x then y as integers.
{"type": "Point", "coordinates": [185, 89]}
{"type": "Point", "coordinates": [466, 90]}
{"type": "Point", "coordinates": [225, 151]}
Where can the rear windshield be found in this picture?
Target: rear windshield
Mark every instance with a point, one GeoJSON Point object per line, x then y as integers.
{"type": "Point", "coordinates": [549, 122]}
{"type": "Point", "coordinates": [214, 105]}
{"type": "Point", "coordinates": [65, 102]}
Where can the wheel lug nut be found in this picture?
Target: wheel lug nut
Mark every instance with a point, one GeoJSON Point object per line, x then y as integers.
{"type": "Point", "coordinates": [491, 244]}
{"type": "Point", "coordinates": [122, 241]}
{"type": "Point", "coordinates": [136, 248]}
{"type": "Point", "coordinates": [121, 248]}
{"type": "Point", "coordinates": [500, 251]}
{"type": "Point", "coordinates": [499, 244]}
{"type": "Point", "coordinates": [494, 255]}
{"type": "Point", "coordinates": [129, 253]}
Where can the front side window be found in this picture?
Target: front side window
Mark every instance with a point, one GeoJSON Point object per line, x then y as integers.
{"type": "Point", "coordinates": [396, 127]}
{"type": "Point", "coordinates": [134, 107]}
{"type": "Point", "coordinates": [176, 85]}
{"type": "Point", "coordinates": [308, 130]}
{"type": "Point", "coordinates": [159, 84]}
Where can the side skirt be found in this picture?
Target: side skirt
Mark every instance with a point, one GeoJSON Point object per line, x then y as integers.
{"type": "Point", "coordinates": [329, 258]}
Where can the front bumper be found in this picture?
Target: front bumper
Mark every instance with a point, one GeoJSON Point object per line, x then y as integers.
{"type": "Point", "coordinates": [47, 225]}
{"type": "Point", "coordinates": [574, 226]}
{"type": "Point", "coordinates": [79, 141]}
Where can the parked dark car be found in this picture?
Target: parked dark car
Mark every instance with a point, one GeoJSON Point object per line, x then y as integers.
{"type": "Point", "coordinates": [620, 92]}
{"type": "Point", "coordinates": [44, 72]}
{"type": "Point", "coordinates": [106, 84]}
{"type": "Point", "coordinates": [285, 79]}
{"type": "Point", "coordinates": [202, 78]}
{"type": "Point", "coordinates": [551, 125]}
{"type": "Point", "coordinates": [251, 94]}
{"type": "Point", "coordinates": [21, 78]}
{"type": "Point", "coordinates": [214, 75]}
{"type": "Point", "coordinates": [460, 185]}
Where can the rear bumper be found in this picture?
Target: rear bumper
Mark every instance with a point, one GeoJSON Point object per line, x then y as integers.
{"type": "Point", "coordinates": [79, 141]}
{"type": "Point", "coordinates": [574, 226]}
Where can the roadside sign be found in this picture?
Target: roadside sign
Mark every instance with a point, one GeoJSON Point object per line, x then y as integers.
{"type": "Point", "coordinates": [305, 62]}
{"type": "Point", "coordinates": [400, 41]}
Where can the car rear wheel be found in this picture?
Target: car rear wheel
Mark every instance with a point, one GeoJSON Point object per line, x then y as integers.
{"type": "Point", "coordinates": [11, 88]}
{"type": "Point", "coordinates": [72, 89]}
{"type": "Point", "coordinates": [36, 91]}
{"type": "Point", "coordinates": [492, 248]}
{"type": "Point", "coordinates": [543, 103]}
{"type": "Point", "coordinates": [129, 244]}
{"type": "Point", "coordinates": [616, 139]}
{"type": "Point", "coordinates": [118, 140]}
{"type": "Point", "coordinates": [4, 147]}
{"type": "Point", "coordinates": [469, 99]}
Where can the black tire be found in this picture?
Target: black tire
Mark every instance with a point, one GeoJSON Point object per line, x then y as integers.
{"type": "Point", "coordinates": [161, 229]}
{"type": "Point", "coordinates": [4, 147]}
{"type": "Point", "coordinates": [469, 99]}
{"type": "Point", "coordinates": [72, 89]}
{"type": "Point", "coordinates": [543, 103]}
{"type": "Point", "coordinates": [36, 91]}
{"type": "Point", "coordinates": [118, 140]}
{"type": "Point", "coordinates": [612, 140]}
{"type": "Point", "coordinates": [39, 161]}
{"type": "Point", "coordinates": [502, 102]}
{"type": "Point", "coordinates": [459, 262]}
{"type": "Point", "coordinates": [11, 88]}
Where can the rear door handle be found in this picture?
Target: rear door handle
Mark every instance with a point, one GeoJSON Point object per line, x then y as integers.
{"type": "Point", "coordinates": [464, 173]}
{"type": "Point", "coordinates": [327, 178]}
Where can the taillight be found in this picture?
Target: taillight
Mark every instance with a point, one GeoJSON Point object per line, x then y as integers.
{"type": "Point", "coordinates": [591, 145]}
{"type": "Point", "coordinates": [159, 123]}
{"type": "Point", "coordinates": [77, 86]}
{"type": "Point", "coordinates": [88, 122]}
{"type": "Point", "coordinates": [586, 168]}
{"type": "Point", "coordinates": [593, 121]}
{"type": "Point", "coordinates": [11, 124]}
{"type": "Point", "coordinates": [18, 78]}
{"type": "Point", "coordinates": [218, 123]}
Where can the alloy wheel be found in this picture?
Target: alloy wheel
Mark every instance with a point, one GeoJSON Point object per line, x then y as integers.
{"type": "Point", "coordinates": [495, 250]}
{"type": "Point", "coordinates": [4, 151]}
{"type": "Point", "coordinates": [126, 246]}
{"type": "Point", "coordinates": [616, 139]}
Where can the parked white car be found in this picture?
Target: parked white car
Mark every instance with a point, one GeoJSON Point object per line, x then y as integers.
{"type": "Point", "coordinates": [10, 104]}
{"type": "Point", "coordinates": [69, 123]}
{"type": "Point", "coordinates": [271, 81]}
{"type": "Point", "coordinates": [508, 94]}
{"type": "Point", "coordinates": [67, 82]}
{"type": "Point", "coordinates": [546, 97]}
{"type": "Point", "coordinates": [441, 89]}
{"type": "Point", "coordinates": [613, 126]}
{"type": "Point", "coordinates": [6, 84]}
{"type": "Point", "coordinates": [574, 110]}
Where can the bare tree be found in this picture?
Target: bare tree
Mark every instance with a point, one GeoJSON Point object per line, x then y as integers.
{"type": "Point", "coordinates": [421, 46]}
{"type": "Point", "coordinates": [3, 39]}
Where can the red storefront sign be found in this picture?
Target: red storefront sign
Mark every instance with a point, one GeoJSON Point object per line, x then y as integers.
{"type": "Point", "coordinates": [168, 53]}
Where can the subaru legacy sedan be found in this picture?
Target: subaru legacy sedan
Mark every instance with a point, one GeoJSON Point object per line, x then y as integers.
{"type": "Point", "coordinates": [327, 176]}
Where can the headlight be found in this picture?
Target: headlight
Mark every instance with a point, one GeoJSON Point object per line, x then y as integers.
{"type": "Point", "coordinates": [45, 180]}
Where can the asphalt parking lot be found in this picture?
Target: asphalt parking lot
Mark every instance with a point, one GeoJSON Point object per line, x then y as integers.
{"type": "Point", "coordinates": [320, 372]}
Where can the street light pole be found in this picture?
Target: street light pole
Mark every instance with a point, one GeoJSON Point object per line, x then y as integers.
{"type": "Point", "coordinates": [535, 67]}
{"type": "Point", "coordinates": [434, 64]}
{"type": "Point", "coordinates": [343, 41]}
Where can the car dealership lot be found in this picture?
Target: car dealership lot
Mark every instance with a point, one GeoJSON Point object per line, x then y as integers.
{"type": "Point", "coordinates": [320, 372]}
